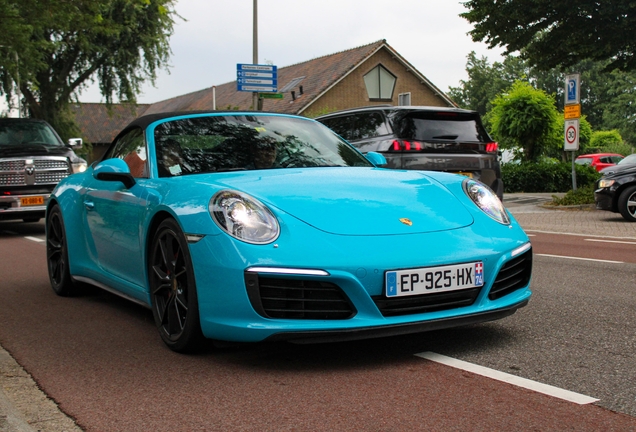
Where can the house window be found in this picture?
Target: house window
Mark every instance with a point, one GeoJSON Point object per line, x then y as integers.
{"type": "Point", "coordinates": [380, 83]}
{"type": "Point", "coordinates": [404, 99]}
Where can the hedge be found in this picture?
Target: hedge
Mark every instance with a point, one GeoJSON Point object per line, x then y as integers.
{"type": "Point", "coordinates": [545, 176]}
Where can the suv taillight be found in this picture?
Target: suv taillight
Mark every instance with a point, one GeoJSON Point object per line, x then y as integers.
{"type": "Point", "coordinates": [492, 147]}
{"type": "Point", "coordinates": [403, 145]}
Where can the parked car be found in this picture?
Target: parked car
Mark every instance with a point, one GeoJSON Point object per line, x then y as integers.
{"type": "Point", "coordinates": [616, 192]}
{"type": "Point", "coordinates": [622, 164]}
{"type": "Point", "coordinates": [249, 226]}
{"type": "Point", "coordinates": [423, 138]}
{"type": "Point", "coordinates": [33, 159]}
{"type": "Point", "coordinates": [599, 160]}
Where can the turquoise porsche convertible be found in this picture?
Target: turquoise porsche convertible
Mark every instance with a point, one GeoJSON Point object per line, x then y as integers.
{"type": "Point", "coordinates": [251, 226]}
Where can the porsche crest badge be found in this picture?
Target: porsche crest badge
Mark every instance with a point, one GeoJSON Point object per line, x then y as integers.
{"type": "Point", "coordinates": [406, 221]}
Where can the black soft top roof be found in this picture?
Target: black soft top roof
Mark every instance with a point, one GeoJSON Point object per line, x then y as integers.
{"type": "Point", "coordinates": [145, 120]}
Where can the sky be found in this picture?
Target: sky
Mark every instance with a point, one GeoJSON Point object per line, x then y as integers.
{"type": "Point", "coordinates": [217, 34]}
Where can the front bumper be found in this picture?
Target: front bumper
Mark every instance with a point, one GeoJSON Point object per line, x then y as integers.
{"type": "Point", "coordinates": [227, 309]}
{"type": "Point", "coordinates": [604, 199]}
{"type": "Point", "coordinates": [21, 207]}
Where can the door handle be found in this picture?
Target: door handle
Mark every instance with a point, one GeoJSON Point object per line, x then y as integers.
{"type": "Point", "coordinates": [89, 205]}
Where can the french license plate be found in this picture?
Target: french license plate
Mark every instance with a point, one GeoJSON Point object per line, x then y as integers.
{"type": "Point", "coordinates": [32, 201]}
{"type": "Point", "coordinates": [431, 280]}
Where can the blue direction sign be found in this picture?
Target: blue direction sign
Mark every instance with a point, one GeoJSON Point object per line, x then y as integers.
{"type": "Point", "coordinates": [256, 78]}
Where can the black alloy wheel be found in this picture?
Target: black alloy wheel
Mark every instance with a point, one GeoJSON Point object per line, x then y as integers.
{"type": "Point", "coordinates": [627, 204]}
{"type": "Point", "coordinates": [57, 254]}
{"type": "Point", "coordinates": [172, 288]}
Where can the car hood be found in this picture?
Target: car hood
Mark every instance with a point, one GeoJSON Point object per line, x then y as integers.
{"type": "Point", "coordinates": [618, 169]}
{"type": "Point", "coordinates": [357, 201]}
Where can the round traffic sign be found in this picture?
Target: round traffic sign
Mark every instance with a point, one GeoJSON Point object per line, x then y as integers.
{"type": "Point", "coordinates": [570, 134]}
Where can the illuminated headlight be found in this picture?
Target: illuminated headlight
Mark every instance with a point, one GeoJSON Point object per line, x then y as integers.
{"type": "Point", "coordinates": [486, 200]}
{"type": "Point", "coordinates": [244, 217]}
{"type": "Point", "coordinates": [604, 183]}
{"type": "Point", "coordinates": [79, 166]}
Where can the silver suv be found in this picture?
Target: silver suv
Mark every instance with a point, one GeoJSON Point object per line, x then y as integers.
{"type": "Point", "coordinates": [423, 138]}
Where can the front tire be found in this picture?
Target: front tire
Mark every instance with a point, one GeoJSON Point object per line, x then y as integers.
{"type": "Point", "coordinates": [627, 204]}
{"type": "Point", "coordinates": [173, 290]}
{"type": "Point", "coordinates": [57, 254]}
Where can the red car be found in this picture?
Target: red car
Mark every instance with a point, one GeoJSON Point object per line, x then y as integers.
{"type": "Point", "coordinates": [599, 160]}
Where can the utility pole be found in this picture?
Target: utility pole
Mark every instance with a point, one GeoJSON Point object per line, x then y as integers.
{"type": "Point", "coordinates": [255, 52]}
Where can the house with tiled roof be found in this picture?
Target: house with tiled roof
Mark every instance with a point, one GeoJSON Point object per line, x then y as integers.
{"type": "Point", "coordinates": [373, 74]}
{"type": "Point", "coordinates": [100, 123]}
{"type": "Point", "coordinates": [367, 75]}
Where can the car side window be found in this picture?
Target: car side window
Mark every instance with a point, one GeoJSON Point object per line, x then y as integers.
{"type": "Point", "coordinates": [358, 126]}
{"type": "Point", "coordinates": [131, 148]}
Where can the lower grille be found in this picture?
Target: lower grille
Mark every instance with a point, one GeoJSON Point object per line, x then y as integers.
{"type": "Point", "coordinates": [297, 298]}
{"type": "Point", "coordinates": [514, 275]}
{"type": "Point", "coordinates": [426, 302]}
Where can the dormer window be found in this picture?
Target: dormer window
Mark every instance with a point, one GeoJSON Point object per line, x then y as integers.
{"type": "Point", "coordinates": [380, 83]}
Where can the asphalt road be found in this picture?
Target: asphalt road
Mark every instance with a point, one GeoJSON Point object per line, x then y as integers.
{"type": "Point", "coordinates": [100, 359]}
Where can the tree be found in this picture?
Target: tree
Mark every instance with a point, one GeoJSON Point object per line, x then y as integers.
{"type": "Point", "coordinates": [558, 32]}
{"type": "Point", "coordinates": [63, 45]}
{"type": "Point", "coordinates": [485, 82]}
{"type": "Point", "coordinates": [525, 118]}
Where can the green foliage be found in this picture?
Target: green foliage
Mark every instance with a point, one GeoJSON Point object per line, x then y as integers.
{"type": "Point", "coordinates": [601, 139]}
{"type": "Point", "coordinates": [485, 82]}
{"type": "Point", "coordinates": [580, 196]}
{"type": "Point", "coordinates": [558, 32]}
{"type": "Point", "coordinates": [64, 44]}
{"type": "Point", "coordinates": [545, 176]}
{"type": "Point", "coordinates": [607, 142]}
{"type": "Point", "coordinates": [524, 118]}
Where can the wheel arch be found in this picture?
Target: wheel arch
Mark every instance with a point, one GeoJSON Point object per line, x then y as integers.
{"type": "Point", "coordinates": [619, 192]}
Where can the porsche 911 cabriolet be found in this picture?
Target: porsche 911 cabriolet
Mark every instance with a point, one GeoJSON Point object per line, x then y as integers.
{"type": "Point", "coordinates": [251, 226]}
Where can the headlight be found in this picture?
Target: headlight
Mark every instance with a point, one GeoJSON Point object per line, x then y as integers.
{"type": "Point", "coordinates": [486, 200]}
{"type": "Point", "coordinates": [604, 183]}
{"type": "Point", "coordinates": [79, 165]}
{"type": "Point", "coordinates": [244, 217]}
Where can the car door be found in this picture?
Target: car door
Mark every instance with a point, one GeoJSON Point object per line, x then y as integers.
{"type": "Point", "coordinates": [114, 213]}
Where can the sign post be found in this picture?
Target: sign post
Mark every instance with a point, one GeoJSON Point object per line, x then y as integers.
{"type": "Point", "coordinates": [257, 78]}
{"type": "Point", "coordinates": [572, 114]}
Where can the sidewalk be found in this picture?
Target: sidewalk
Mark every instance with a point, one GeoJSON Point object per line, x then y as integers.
{"type": "Point", "coordinates": [25, 408]}
{"type": "Point", "coordinates": [533, 215]}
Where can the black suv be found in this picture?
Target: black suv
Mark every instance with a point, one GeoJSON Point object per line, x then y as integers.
{"type": "Point", "coordinates": [33, 159]}
{"type": "Point", "coordinates": [423, 138]}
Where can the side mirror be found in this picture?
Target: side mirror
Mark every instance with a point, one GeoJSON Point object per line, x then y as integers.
{"type": "Point", "coordinates": [114, 170]}
{"type": "Point", "coordinates": [376, 158]}
{"type": "Point", "coordinates": [75, 143]}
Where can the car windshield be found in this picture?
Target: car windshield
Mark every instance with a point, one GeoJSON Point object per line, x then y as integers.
{"type": "Point", "coordinates": [439, 126]}
{"type": "Point", "coordinates": [248, 142]}
{"type": "Point", "coordinates": [583, 161]}
{"type": "Point", "coordinates": [25, 133]}
{"type": "Point", "coordinates": [629, 159]}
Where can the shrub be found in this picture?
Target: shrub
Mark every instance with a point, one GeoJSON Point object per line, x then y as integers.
{"type": "Point", "coordinates": [583, 195]}
{"type": "Point", "coordinates": [545, 176]}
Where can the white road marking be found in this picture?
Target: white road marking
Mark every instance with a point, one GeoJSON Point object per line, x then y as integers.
{"type": "Point", "coordinates": [578, 234]}
{"type": "Point", "coordinates": [582, 259]}
{"type": "Point", "coordinates": [510, 379]}
{"type": "Point", "coordinates": [35, 239]}
{"type": "Point", "coordinates": [610, 241]}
